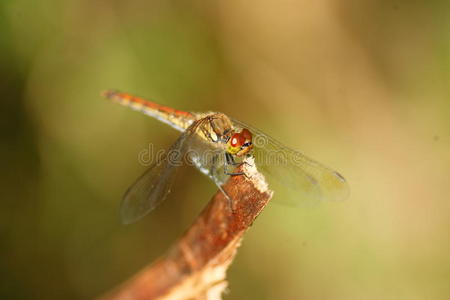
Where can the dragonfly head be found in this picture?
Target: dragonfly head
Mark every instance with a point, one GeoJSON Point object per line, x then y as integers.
{"type": "Point", "coordinates": [240, 143]}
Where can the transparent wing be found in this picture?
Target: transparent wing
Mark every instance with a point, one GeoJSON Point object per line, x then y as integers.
{"type": "Point", "coordinates": [294, 177]}
{"type": "Point", "coordinates": [208, 158]}
{"type": "Point", "coordinates": [152, 188]}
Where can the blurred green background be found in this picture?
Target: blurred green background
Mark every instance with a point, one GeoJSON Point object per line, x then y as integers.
{"type": "Point", "coordinates": [362, 86]}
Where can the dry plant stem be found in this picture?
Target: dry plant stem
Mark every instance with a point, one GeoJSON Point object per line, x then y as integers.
{"type": "Point", "coordinates": [195, 267]}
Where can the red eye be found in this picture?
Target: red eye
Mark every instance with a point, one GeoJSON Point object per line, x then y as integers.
{"type": "Point", "coordinates": [237, 140]}
{"type": "Point", "coordinates": [246, 134]}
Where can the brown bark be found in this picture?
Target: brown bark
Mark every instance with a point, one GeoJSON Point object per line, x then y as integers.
{"type": "Point", "coordinates": [195, 267]}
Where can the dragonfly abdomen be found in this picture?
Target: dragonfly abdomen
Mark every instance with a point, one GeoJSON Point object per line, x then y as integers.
{"type": "Point", "coordinates": [178, 119]}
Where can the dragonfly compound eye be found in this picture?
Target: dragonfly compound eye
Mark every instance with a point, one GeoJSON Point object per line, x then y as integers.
{"type": "Point", "coordinates": [240, 143]}
{"type": "Point", "coordinates": [237, 140]}
{"type": "Point", "coordinates": [246, 134]}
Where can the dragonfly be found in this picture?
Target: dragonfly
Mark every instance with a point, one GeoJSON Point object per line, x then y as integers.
{"type": "Point", "coordinates": [215, 144]}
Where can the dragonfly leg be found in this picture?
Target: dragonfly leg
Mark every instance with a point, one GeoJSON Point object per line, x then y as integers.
{"type": "Point", "coordinates": [225, 171]}
{"type": "Point", "coordinates": [229, 160]}
{"type": "Point", "coordinates": [212, 171]}
{"type": "Point", "coordinates": [234, 173]}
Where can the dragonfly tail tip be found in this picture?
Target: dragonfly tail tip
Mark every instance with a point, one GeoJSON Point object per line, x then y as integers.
{"type": "Point", "coordinates": [108, 94]}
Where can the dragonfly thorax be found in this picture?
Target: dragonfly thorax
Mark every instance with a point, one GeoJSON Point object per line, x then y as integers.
{"type": "Point", "coordinates": [214, 127]}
